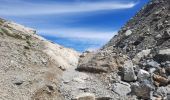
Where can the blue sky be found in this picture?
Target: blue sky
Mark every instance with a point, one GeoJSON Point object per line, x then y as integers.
{"type": "Point", "coordinates": [78, 24]}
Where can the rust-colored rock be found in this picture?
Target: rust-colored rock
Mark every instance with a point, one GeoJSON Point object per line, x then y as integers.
{"type": "Point", "coordinates": [159, 80]}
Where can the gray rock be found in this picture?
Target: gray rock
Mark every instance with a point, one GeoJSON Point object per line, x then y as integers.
{"type": "Point", "coordinates": [142, 90]}
{"type": "Point", "coordinates": [163, 91]}
{"type": "Point", "coordinates": [140, 55]}
{"type": "Point", "coordinates": [153, 64]}
{"type": "Point", "coordinates": [164, 52]}
{"type": "Point", "coordinates": [152, 70]}
{"type": "Point", "coordinates": [128, 32]}
{"type": "Point", "coordinates": [121, 89]}
{"type": "Point", "coordinates": [159, 36]}
{"type": "Point", "coordinates": [129, 74]}
{"type": "Point", "coordinates": [142, 75]}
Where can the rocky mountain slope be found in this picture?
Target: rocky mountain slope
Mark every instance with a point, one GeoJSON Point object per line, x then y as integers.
{"type": "Point", "coordinates": [136, 62]}
{"type": "Point", "coordinates": [30, 66]}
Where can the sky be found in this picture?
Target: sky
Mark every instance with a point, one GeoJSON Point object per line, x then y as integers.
{"type": "Point", "coordinates": [78, 24]}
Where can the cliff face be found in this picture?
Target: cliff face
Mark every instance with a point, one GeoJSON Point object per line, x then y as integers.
{"type": "Point", "coordinates": [139, 55]}
{"type": "Point", "coordinates": [30, 66]}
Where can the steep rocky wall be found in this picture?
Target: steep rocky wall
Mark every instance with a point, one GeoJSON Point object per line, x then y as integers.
{"type": "Point", "coordinates": [147, 30]}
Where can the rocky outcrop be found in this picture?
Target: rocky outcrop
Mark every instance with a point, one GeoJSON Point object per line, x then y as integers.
{"type": "Point", "coordinates": [30, 66]}
{"type": "Point", "coordinates": [139, 54]}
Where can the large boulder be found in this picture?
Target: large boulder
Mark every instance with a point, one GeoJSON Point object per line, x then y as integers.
{"type": "Point", "coordinates": [121, 88]}
{"type": "Point", "coordinates": [128, 71]}
{"type": "Point", "coordinates": [143, 89]}
{"type": "Point", "coordinates": [143, 75]}
{"type": "Point", "coordinates": [160, 80]}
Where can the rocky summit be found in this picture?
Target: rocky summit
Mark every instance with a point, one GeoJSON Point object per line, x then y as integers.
{"type": "Point", "coordinates": [133, 65]}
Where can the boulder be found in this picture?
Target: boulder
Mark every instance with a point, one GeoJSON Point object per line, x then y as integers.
{"type": "Point", "coordinates": [128, 71]}
{"type": "Point", "coordinates": [142, 75]}
{"type": "Point", "coordinates": [143, 89]}
{"type": "Point", "coordinates": [159, 80]}
{"type": "Point", "coordinates": [121, 89]}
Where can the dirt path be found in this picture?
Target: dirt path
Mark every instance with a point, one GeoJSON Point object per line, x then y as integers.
{"type": "Point", "coordinates": [75, 83]}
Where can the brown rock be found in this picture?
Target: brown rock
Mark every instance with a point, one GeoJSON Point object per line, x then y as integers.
{"type": "Point", "coordinates": [159, 80]}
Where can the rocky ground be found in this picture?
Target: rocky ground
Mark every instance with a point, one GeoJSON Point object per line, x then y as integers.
{"type": "Point", "coordinates": [75, 83]}
{"type": "Point", "coordinates": [30, 66]}
{"type": "Point", "coordinates": [133, 65]}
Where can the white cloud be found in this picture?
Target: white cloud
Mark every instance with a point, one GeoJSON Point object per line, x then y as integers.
{"type": "Point", "coordinates": [21, 8]}
{"type": "Point", "coordinates": [93, 39]}
{"type": "Point", "coordinates": [78, 33]}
